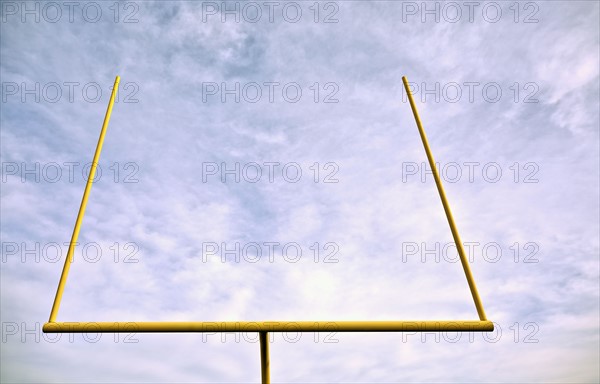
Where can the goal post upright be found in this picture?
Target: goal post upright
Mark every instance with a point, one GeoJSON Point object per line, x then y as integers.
{"type": "Point", "coordinates": [86, 194]}
{"type": "Point", "coordinates": [447, 210]}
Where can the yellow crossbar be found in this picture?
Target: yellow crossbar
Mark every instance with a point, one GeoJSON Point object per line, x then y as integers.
{"type": "Point", "coordinates": [271, 326]}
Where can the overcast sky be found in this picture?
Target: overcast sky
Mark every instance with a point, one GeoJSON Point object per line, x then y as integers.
{"type": "Point", "coordinates": [262, 163]}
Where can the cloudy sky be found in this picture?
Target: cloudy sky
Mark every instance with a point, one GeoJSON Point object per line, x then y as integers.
{"type": "Point", "coordinates": [262, 163]}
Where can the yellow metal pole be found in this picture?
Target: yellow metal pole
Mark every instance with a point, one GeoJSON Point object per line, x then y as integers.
{"type": "Point", "coordinates": [440, 188]}
{"type": "Point", "coordinates": [264, 358]}
{"type": "Point", "coordinates": [86, 193]}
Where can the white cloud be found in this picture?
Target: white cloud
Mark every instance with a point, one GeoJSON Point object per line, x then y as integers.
{"type": "Point", "coordinates": [371, 214]}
